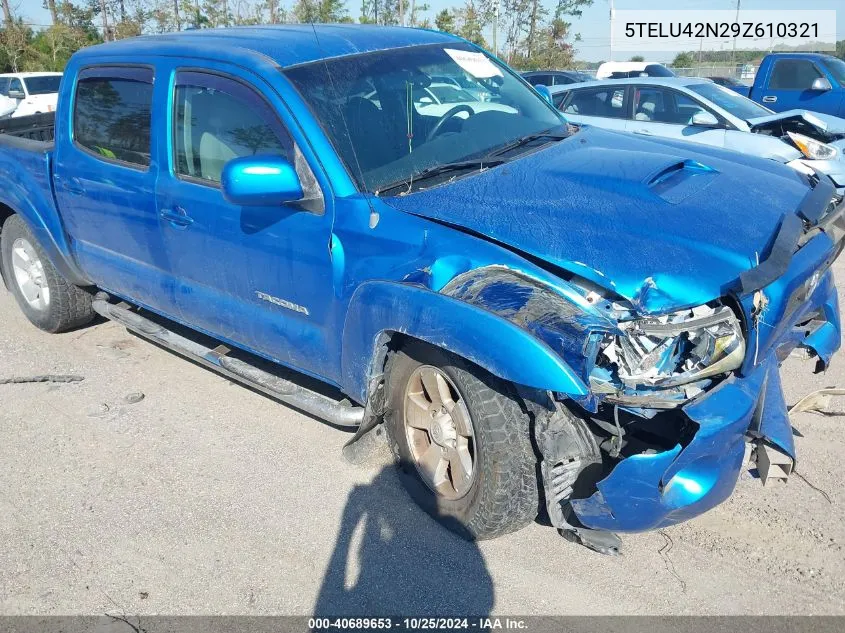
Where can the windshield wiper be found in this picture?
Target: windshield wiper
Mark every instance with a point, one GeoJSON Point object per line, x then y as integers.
{"type": "Point", "coordinates": [524, 140]}
{"type": "Point", "coordinates": [436, 170]}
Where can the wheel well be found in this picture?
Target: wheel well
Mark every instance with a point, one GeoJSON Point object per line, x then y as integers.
{"type": "Point", "coordinates": [5, 213]}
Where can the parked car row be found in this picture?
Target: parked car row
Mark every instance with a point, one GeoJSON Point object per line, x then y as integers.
{"type": "Point", "coordinates": [388, 229]}
{"type": "Point", "coordinates": [784, 81]}
{"type": "Point", "coordinates": [700, 111]}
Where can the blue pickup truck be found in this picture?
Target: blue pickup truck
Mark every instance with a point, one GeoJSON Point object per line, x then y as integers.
{"type": "Point", "coordinates": [526, 309]}
{"type": "Point", "coordinates": [801, 81]}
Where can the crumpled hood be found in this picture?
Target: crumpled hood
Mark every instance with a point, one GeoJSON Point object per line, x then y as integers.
{"type": "Point", "coordinates": [664, 224]}
{"type": "Point", "coordinates": [828, 127]}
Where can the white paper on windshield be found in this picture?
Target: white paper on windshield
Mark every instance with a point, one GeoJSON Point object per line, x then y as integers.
{"type": "Point", "coordinates": [476, 64]}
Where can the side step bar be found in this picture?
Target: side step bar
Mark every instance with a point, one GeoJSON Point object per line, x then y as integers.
{"type": "Point", "coordinates": [336, 412]}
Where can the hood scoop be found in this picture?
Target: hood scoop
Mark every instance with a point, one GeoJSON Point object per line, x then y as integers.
{"type": "Point", "coordinates": [678, 181]}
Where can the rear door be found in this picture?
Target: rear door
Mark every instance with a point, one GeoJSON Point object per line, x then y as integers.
{"type": "Point", "coordinates": [789, 86]}
{"type": "Point", "coordinates": [105, 173]}
{"type": "Point", "coordinates": [604, 106]}
{"type": "Point", "coordinates": [258, 276]}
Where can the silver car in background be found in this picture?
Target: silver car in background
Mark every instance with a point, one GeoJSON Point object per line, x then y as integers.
{"type": "Point", "coordinates": [700, 111]}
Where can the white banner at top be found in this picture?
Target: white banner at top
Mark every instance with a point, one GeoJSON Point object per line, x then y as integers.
{"type": "Point", "coordinates": [670, 31]}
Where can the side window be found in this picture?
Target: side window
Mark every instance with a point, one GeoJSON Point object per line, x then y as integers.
{"type": "Point", "coordinates": [558, 99]}
{"type": "Point", "coordinates": [652, 104]}
{"type": "Point", "coordinates": [536, 80]}
{"type": "Point", "coordinates": [686, 108]}
{"type": "Point", "coordinates": [793, 74]}
{"type": "Point", "coordinates": [4, 86]}
{"type": "Point", "coordinates": [111, 113]}
{"type": "Point", "coordinates": [606, 102]}
{"type": "Point", "coordinates": [217, 119]}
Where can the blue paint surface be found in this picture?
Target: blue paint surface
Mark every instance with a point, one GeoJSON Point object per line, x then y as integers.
{"type": "Point", "coordinates": [490, 266]}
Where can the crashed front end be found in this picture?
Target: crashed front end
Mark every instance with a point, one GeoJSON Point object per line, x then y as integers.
{"type": "Point", "coordinates": [676, 397]}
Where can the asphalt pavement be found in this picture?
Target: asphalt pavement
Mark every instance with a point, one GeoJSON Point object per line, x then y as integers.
{"type": "Point", "coordinates": [204, 497]}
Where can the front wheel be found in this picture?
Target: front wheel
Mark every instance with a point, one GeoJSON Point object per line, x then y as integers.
{"type": "Point", "coordinates": [462, 442]}
{"type": "Point", "coordinates": [47, 299]}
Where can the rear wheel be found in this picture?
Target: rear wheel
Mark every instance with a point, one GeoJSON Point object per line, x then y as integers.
{"type": "Point", "coordinates": [47, 299]}
{"type": "Point", "coordinates": [462, 442]}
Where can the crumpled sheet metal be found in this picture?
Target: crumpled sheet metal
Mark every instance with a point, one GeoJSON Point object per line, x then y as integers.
{"type": "Point", "coordinates": [649, 491]}
{"type": "Point", "coordinates": [569, 203]}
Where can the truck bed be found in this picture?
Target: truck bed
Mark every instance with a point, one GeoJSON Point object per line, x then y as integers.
{"type": "Point", "coordinates": [36, 127]}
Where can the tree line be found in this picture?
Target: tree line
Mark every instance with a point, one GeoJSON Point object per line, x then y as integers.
{"type": "Point", "coordinates": [529, 34]}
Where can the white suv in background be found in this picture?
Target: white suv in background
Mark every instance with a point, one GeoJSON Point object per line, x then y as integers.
{"type": "Point", "coordinates": [28, 93]}
{"type": "Point", "coordinates": [626, 70]}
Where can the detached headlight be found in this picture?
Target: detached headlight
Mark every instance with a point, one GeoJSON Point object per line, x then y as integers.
{"type": "Point", "coordinates": [678, 348]}
{"type": "Point", "coordinates": [812, 148]}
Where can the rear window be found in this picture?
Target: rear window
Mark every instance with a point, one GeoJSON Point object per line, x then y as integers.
{"type": "Point", "coordinates": [48, 84]}
{"type": "Point", "coordinates": [111, 115]}
{"type": "Point", "coordinates": [603, 102]}
{"type": "Point", "coordinates": [537, 80]}
{"type": "Point", "coordinates": [658, 70]}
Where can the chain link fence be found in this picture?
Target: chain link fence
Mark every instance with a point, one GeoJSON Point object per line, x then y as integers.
{"type": "Point", "coordinates": [740, 72]}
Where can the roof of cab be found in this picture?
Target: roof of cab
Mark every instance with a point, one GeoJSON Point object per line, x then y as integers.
{"type": "Point", "coordinates": [639, 81]}
{"type": "Point", "coordinates": [286, 44]}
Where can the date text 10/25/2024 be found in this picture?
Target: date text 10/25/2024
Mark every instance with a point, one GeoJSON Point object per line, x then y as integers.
{"type": "Point", "coordinates": [418, 623]}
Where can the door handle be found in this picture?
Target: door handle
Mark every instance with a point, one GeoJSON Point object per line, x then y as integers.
{"type": "Point", "coordinates": [644, 132]}
{"type": "Point", "coordinates": [177, 217]}
{"type": "Point", "coordinates": [72, 185]}
{"type": "Point", "coordinates": [769, 99]}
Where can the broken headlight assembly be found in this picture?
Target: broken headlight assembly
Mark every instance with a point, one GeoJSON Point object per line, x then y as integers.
{"type": "Point", "coordinates": [811, 148]}
{"type": "Point", "coordinates": [676, 349]}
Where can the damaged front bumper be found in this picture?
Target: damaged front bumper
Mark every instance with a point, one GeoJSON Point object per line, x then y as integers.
{"type": "Point", "coordinates": [654, 489]}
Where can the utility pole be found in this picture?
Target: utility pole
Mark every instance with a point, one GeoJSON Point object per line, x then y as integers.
{"type": "Point", "coordinates": [700, 46]}
{"type": "Point", "coordinates": [612, 19]}
{"type": "Point", "coordinates": [7, 13]}
{"type": "Point", "coordinates": [733, 54]}
{"type": "Point", "coordinates": [496, 28]}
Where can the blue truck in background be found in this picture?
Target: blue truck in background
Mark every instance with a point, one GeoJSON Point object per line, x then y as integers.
{"type": "Point", "coordinates": [527, 310]}
{"type": "Point", "coordinates": [801, 81]}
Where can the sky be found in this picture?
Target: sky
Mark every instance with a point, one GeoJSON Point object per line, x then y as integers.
{"type": "Point", "coordinates": [593, 25]}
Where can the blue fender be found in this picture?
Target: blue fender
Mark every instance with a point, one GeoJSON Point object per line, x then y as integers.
{"type": "Point", "coordinates": [29, 193]}
{"type": "Point", "coordinates": [490, 341]}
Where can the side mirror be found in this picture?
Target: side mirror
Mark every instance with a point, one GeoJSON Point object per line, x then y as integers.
{"type": "Point", "coordinates": [544, 92]}
{"type": "Point", "coordinates": [261, 181]}
{"type": "Point", "coordinates": [820, 84]}
{"type": "Point", "coordinates": [18, 94]}
{"type": "Point", "coordinates": [704, 119]}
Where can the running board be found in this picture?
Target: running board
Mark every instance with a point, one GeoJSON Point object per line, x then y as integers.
{"type": "Point", "coordinates": [319, 405]}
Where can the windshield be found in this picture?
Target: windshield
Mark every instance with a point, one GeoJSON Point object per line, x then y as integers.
{"type": "Point", "coordinates": [450, 94]}
{"type": "Point", "coordinates": [730, 101]}
{"type": "Point", "coordinates": [373, 109]}
{"type": "Point", "coordinates": [46, 84]}
{"type": "Point", "coordinates": [836, 68]}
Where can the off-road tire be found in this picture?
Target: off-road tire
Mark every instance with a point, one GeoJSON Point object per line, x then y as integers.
{"type": "Point", "coordinates": [503, 497]}
{"type": "Point", "coordinates": [69, 306]}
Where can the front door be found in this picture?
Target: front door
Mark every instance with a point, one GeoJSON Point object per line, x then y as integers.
{"type": "Point", "coordinates": [667, 113]}
{"type": "Point", "coordinates": [259, 276]}
{"type": "Point", "coordinates": [789, 87]}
